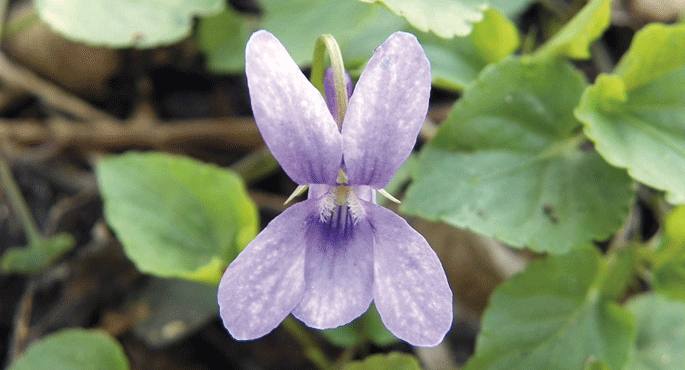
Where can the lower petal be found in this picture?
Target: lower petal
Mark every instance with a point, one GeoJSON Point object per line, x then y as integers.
{"type": "Point", "coordinates": [410, 289]}
{"type": "Point", "coordinates": [338, 272]}
{"type": "Point", "coordinates": [266, 281]}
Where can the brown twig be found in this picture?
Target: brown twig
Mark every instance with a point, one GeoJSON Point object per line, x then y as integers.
{"type": "Point", "coordinates": [22, 321]}
{"type": "Point", "coordinates": [239, 133]}
{"type": "Point", "coordinates": [51, 94]}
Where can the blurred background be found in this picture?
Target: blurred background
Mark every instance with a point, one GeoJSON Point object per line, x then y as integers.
{"type": "Point", "coordinates": [83, 80]}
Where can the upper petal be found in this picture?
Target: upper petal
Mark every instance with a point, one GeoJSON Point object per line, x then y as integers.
{"type": "Point", "coordinates": [386, 111]}
{"type": "Point", "coordinates": [329, 88]}
{"type": "Point", "coordinates": [291, 113]}
{"type": "Point", "coordinates": [266, 281]}
{"type": "Point", "coordinates": [338, 271]}
{"type": "Point", "coordinates": [410, 287]}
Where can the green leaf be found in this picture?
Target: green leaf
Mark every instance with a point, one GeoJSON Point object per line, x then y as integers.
{"type": "Point", "coordinates": [392, 360]}
{"type": "Point", "coordinates": [176, 217]}
{"type": "Point", "coordinates": [176, 309]}
{"type": "Point", "coordinates": [36, 256]}
{"type": "Point", "coordinates": [621, 268]}
{"type": "Point", "coordinates": [637, 117]}
{"type": "Point", "coordinates": [674, 226]}
{"type": "Point", "coordinates": [668, 270]}
{"type": "Point", "coordinates": [222, 39]}
{"type": "Point", "coordinates": [367, 328]}
{"type": "Point", "coordinates": [457, 62]}
{"type": "Point", "coordinates": [399, 180]}
{"type": "Point", "coordinates": [593, 364]}
{"type": "Point", "coordinates": [511, 8]}
{"type": "Point", "coordinates": [660, 333]}
{"type": "Point", "coordinates": [575, 38]}
{"type": "Point", "coordinates": [552, 316]}
{"type": "Point", "coordinates": [358, 28]}
{"type": "Point", "coordinates": [509, 163]}
{"type": "Point", "coordinates": [71, 349]}
{"type": "Point", "coordinates": [346, 336]}
{"type": "Point", "coordinates": [655, 51]}
{"type": "Point", "coordinates": [124, 23]}
{"type": "Point", "coordinates": [445, 18]}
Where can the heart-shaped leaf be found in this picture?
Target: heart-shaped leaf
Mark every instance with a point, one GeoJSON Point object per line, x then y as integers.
{"type": "Point", "coordinates": [71, 349]}
{"type": "Point", "coordinates": [445, 18]}
{"type": "Point", "coordinates": [660, 333]}
{"type": "Point", "coordinates": [574, 39]}
{"type": "Point", "coordinates": [552, 316]}
{"type": "Point", "coordinates": [36, 256]}
{"type": "Point", "coordinates": [511, 8]}
{"type": "Point", "coordinates": [176, 217]}
{"type": "Point", "coordinates": [124, 23]}
{"type": "Point", "coordinates": [222, 39]}
{"type": "Point", "coordinates": [456, 62]}
{"type": "Point", "coordinates": [636, 117]}
{"type": "Point", "coordinates": [668, 270]}
{"type": "Point", "coordinates": [358, 28]}
{"type": "Point", "coordinates": [509, 163]}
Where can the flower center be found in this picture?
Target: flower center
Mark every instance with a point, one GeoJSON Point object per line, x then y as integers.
{"type": "Point", "coordinates": [340, 206]}
{"type": "Point", "coordinates": [341, 193]}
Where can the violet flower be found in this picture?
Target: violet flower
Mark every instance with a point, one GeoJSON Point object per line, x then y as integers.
{"type": "Point", "coordinates": [325, 259]}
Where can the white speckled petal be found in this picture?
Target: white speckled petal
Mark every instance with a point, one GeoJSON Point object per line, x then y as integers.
{"type": "Point", "coordinates": [291, 113]}
{"type": "Point", "coordinates": [410, 286]}
{"type": "Point", "coordinates": [338, 272]}
{"type": "Point", "coordinates": [266, 281]}
{"type": "Point", "coordinates": [386, 111]}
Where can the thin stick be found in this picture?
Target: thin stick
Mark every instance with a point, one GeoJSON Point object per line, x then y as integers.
{"type": "Point", "coordinates": [240, 133]}
{"type": "Point", "coordinates": [50, 93]}
{"type": "Point", "coordinates": [22, 321]}
{"type": "Point", "coordinates": [18, 203]}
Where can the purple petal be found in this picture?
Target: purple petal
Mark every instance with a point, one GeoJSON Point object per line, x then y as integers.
{"type": "Point", "coordinates": [329, 87]}
{"type": "Point", "coordinates": [386, 111]}
{"type": "Point", "coordinates": [410, 287]}
{"type": "Point", "coordinates": [318, 191]}
{"type": "Point", "coordinates": [365, 193]}
{"type": "Point", "coordinates": [266, 281]}
{"type": "Point", "coordinates": [291, 113]}
{"type": "Point", "coordinates": [338, 272]}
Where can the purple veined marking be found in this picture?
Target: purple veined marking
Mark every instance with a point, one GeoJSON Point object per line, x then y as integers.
{"type": "Point", "coordinates": [327, 258]}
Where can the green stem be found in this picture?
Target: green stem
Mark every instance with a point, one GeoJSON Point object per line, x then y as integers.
{"type": "Point", "coordinates": [326, 44]}
{"type": "Point", "coordinates": [3, 14]}
{"type": "Point", "coordinates": [18, 203]}
{"type": "Point", "coordinates": [255, 166]}
{"type": "Point", "coordinates": [19, 25]}
{"type": "Point", "coordinates": [311, 349]}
